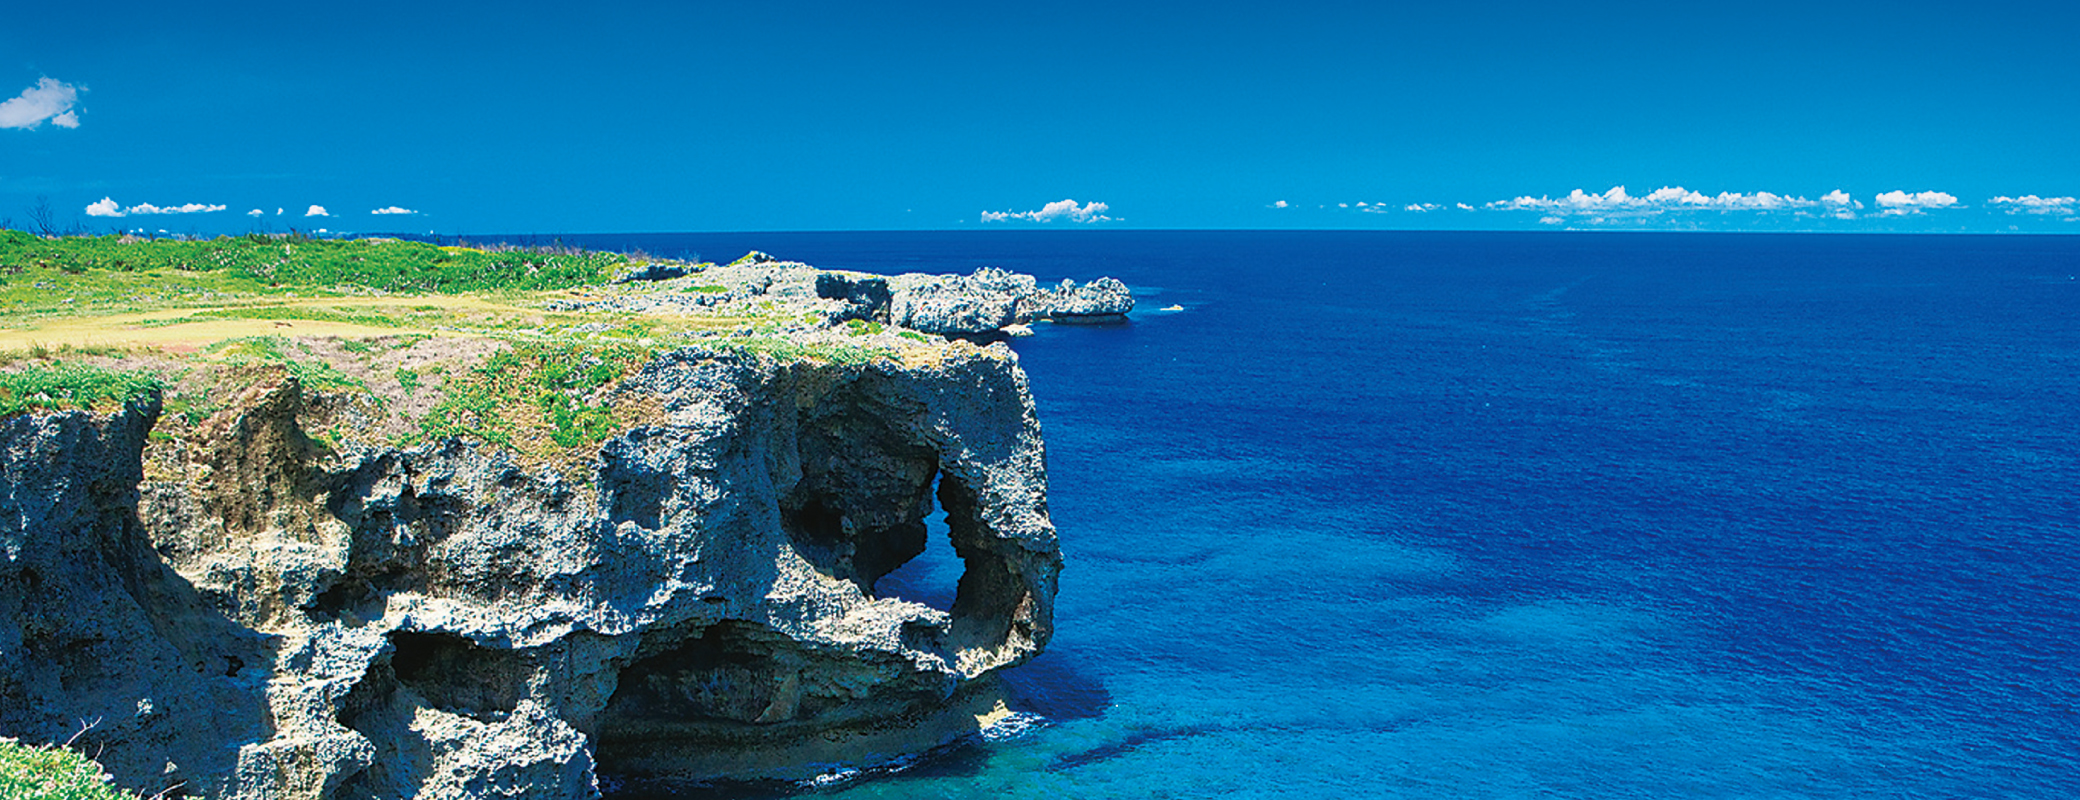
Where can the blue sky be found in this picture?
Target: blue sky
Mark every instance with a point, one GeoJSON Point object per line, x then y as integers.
{"type": "Point", "coordinates": [611, 117]}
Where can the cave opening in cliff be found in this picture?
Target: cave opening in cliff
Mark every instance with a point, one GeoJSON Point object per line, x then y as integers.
{"type": "Point", "coordinates": [931, 576]}
{"type": "Point", "coordinates": [858, 509]}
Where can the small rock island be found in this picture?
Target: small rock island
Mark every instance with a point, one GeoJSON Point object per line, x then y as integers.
{"type": "Point", "coordinates": [285, 517]}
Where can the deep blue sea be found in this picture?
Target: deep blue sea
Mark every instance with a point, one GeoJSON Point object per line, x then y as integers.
{"type": "Point", "coordinates": [1486, 515]}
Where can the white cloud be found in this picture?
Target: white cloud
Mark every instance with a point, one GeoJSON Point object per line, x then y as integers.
{"type": "Point", "coordinates": [317, 211]}
{"type": "Point", "coordinates": [1899, 199]}
{"type": "Point", "coordinates": [107, 207]}
{"type": "Point", "coordinates": [49, 100]}
{"type": "Point", "coordinates": [1551, 220]}
{"type": "Point", "coordinates": [1899, 203]}
{"type": "Point", "coordinates": [2032, 204]}
{"type": "Point", "coordinates": [190, 208]}
{"type": "Point", "coordinates": [1282, 204]}
{"type": "Point", "coordinates": [1618, 202]}
{"type": "Point", "coordinates": [1463, 206]}
{"type": "Point", "coordinates": [393, 210]}
{"type": "Point", "coordinates": [1059, 209]}
{"type": "Point", "coordinates": [1421, 207]}
{"type": "Point", "coordinates": [255, 213]}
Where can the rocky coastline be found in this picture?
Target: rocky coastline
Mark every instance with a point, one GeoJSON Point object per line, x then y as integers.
{"type": "Point", "coordinates": [247, 606]}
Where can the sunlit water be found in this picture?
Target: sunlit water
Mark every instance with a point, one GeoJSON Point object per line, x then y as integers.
{"type": "Point", "coordinates": [1517, 515]}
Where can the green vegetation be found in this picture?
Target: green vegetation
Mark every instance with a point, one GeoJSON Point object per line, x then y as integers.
{"type": "Point", "coordinates": [296, 312]}
{"type": "Point", "coordinates": [70, 385]}
{"type": "Point", "coordinates": [534, 342]}
{"type": "Point", "coordinates": [294, 260]}
{"type": "Point", "coordinates": [537, 394]}
{"type": "Point", "coordinates": [52, 773]}
{"type": "Point", "coordinates": [785, 349]}
{"type": "Point", "coordinates": [274, 350]}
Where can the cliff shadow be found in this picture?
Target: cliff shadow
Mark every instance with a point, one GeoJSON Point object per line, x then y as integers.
{"type": "Point", "coordinates": [107, 635]}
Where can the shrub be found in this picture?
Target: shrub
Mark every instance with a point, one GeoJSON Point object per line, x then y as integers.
{"type": "Point", "coordinates": [52, 773]}
{"type": "Point", "coordinates": [66, 385]}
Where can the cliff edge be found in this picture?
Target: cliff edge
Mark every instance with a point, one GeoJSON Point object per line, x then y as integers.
{"type": "Point", "coordinates": [315, 583]}
{"type": "Point", "coordinates": [253, 616]}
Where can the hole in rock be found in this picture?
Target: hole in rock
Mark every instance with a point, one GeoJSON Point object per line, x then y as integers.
{"type": "Point", "coordinates": [930, 576]}
{"type": "Point", "coordinates": [455, 675]}
{"type": "Point", "coordinates": [735, 685]}
{"type": "Point", "coordinates": [731, 671]}
{"type": "Point", "coordinates": [857, 511]}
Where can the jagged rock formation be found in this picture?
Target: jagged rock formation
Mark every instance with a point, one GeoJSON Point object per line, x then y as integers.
{"type": "Point", "coordinates": [652, 272]}
{"type": "Point", "coordinates": [1101, 300]}
{"type": "Point", "coordinates": [980, 305]}
{"type": "Point", "coordinates": [251, 615]}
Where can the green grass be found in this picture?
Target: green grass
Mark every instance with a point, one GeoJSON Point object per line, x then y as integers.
{"type": "Point", "coordinates": [273, 350]}
{"type": "Point", "coordinates": [534, 391]}
{"type": "Point", "coordinates": [63, 385]}
{"type": "Point", "coordinates": [298, 313]}
{"type": "Point", "coordinates": [52, 773]}
{"type": "Point", "coordinates": [273, 261]}
{"type": "Point", "coordinates": [785, 349]}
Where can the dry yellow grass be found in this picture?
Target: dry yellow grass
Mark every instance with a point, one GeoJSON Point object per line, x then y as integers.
{"type": "Point", "coordinates": [151, 329]}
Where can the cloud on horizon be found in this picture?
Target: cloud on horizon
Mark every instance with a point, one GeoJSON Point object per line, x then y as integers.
{"type": "Point", "coordinates": [1899, 203]}
{"type": "Point", "coordinates": [1057, 210]}
{"type": "Point", "coordinates": [393, 210]}
{"type": "Point", "coordinates": [107, 207]}
{"type": "Point", "coordinates": [2032, 204]}
{"type": "Point", "coordinates": [1619, 202]}
{"type": "Point", "coordinates": [317, 211]}
{"type": "Point", "coordinates": [49, 100]}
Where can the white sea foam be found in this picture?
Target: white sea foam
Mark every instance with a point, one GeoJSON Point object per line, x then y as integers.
{"type": "Point", "coordinates": [1012, 726]}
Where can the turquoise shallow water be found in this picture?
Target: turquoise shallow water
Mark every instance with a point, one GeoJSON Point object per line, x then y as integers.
{"type": "Point", "coordinates": [1552, 515]}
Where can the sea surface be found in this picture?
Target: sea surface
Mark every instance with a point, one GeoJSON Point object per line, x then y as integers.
{"type": "Point", "coordinates": [1498, 515]}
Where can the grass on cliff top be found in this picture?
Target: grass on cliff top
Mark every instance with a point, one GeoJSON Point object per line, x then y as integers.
{"type": "Point", "coordinates": [389, 265]}
{"type": "Point", "coordinates": [547, 400]}
{"type": "Point", "coordinates": [61, 384]}
{"type": "Point", "coordinates": [52, 773]}
{"type": "Point", "coordinates": [92, 322]}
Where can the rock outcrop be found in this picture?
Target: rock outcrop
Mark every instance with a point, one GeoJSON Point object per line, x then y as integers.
{"type": "Point", "coordinates": [1101, 300]}
{"type": "Point", "coordinates": [249, 614]}
{"type": "Point", "coordinates": [982, 305]}
{"type": "Point", "coordinates": [991, 300]}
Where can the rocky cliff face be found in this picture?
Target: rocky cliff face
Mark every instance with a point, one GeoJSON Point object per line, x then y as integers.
{"type": "Point", "coordinates": [249, 614]}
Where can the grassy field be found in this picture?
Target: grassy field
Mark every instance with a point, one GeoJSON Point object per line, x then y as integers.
{"type": "Point", "coordinates": [479, 343]}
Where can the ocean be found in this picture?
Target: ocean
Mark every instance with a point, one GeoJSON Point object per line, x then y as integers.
{"type": "Point", "coordinates": [1487, 515]}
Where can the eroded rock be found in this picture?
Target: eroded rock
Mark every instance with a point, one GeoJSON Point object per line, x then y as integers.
{"type": "Point", "coordinates": [1101, 300]}
{"type": "Point", "coordinates": [253, 615]}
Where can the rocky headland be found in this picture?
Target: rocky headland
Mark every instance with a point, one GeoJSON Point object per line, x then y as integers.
{"type": "Point", "coordinates": [637, 542]}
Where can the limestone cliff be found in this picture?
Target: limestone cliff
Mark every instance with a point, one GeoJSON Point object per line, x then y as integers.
{"type": "Point", "coordinates": [254, 613]}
